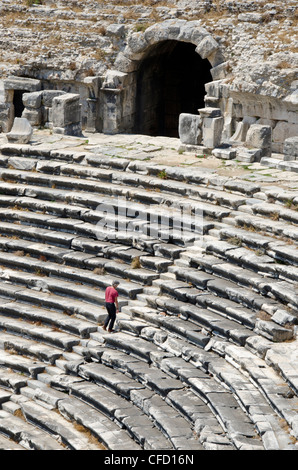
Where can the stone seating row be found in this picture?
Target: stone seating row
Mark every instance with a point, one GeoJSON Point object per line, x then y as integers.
{"type": "Point", "coordinates": [284, 228]}
{"type": "Point", "coordinates": [21, 435]}
{"type": "Point", "coordinates": [199, 279]}
{"type": "Point", "coordinates": [216, 251]}
{"type": "Point", "coordinates": [13, 229]}
{"type": "Point", "coordinates": [277, 227]}
{"type": "Point", "coordinates": [154, 341]}
{"type": "Point", "coordinates": [42, 428]}
{"type": "Point", "coordinates": [250, 391]}
{"type": "Point", "coordinates": [147, 431]}
{"type": "Point", "coordinates": [180, 174]}
{"type": "Point", "coordinates": [111, 340]}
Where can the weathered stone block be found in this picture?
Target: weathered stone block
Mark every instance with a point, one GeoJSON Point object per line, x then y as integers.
{"type": "Point", "coordinates": [6, 117]}
{"type": "Point", "coordinates": [21, 131]}
{"type": "Point", "coordinates": [212, 126]}
{"type": "Point", "coordinates": [206, 47]}
{"type": "Point", "coordinates": [32, 100]}
{"type": "Point", "coordinates": [66, 114]}
{"type": "Point", "coordinates": [190, 129]}
{"type": "Point", "coordinates": [260, 136]}
{"type": "Point", "coordinates": [291, 148]}
{"type": "Point", "coordinates": [34, 116]}
{"type": "Point", "coordinates": [22, 83]}
{"type": "Point", "coordinates": [49, 95]}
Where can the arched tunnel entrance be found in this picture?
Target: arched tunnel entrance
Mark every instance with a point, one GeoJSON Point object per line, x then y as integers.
{"type": "Point", "coordinates": [171, 80]}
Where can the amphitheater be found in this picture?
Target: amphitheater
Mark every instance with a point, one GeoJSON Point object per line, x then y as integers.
{"type": "Point", "coordinates": [158, 145]}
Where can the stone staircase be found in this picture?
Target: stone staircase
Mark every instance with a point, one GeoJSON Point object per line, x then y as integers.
{"type": "Point", "coordinates": [205, 352]}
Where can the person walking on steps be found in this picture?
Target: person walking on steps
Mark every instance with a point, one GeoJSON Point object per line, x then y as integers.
{"type": "Point", "coordinates": [112, 306]}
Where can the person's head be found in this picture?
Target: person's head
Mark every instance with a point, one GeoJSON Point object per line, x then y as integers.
{"type": "Point", "coordinates": [115, 284]}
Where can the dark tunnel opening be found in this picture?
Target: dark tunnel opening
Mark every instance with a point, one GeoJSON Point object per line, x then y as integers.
{"type": "Point", "coordinates": [170, 81]}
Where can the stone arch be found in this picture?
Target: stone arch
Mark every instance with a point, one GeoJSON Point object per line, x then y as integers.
{"type": "Point", "coordinates": [120, 87]}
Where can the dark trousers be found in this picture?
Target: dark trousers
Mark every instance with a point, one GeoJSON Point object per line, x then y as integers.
{"type": "Point", "coordinates": [110, 320]}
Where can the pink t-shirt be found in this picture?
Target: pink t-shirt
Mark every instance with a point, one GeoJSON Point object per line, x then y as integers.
{"type": "Point", "coordinates": [111, 294]}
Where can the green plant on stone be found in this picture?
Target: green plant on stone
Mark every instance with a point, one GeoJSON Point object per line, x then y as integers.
{"type": "Point", "coordinates": [162, 174]}
{"type": "Point", "coordinates": [34, 2]}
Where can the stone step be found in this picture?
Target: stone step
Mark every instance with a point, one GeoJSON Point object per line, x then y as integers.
{"type": "Point", "coordinates": [274, 248]}
{"type": "Point", "coordinates": [197, 380]}
{"type": "Point", "coordinates": [29, 348]}
{"type": "Point", "coordinates": [260, 263]}
{"type": "Point", "coordinates": [56, 425]}
{"type": "Point", "coordinates": [43, 334]}
{"type": "Point", "coordinates": [119, 410]}
{"type": "Point", "coordinates": [92, 284]}
{"type": "Point", "coordinates": [132, 177]}
{"type": "Point", "coordinates": [229, 379]}
{"type": "Point", "coordinates": [64, 322]}
{"type": "Point", "coordinates": [255, 223]}
{"type": "Point", "coordinates": [276, 211]}
{"type": "Point", "coordinates": [25, 434]}
{"type": "Point", "coordinates": [83, 189]}
{"type": "Point", "coordinates": [36, 297]}
{"type": "Point", "coordinates": [8, 444]}
{"type": "Point", "coordinates": [158, 224]}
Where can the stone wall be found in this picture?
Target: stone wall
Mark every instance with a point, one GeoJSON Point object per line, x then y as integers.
{"type": "Point", "coordinates": [97, 51]}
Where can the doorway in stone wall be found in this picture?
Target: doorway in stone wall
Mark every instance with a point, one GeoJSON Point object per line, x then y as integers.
{"type": "Point", "coordinates": [170, 80]}
{"type": "Point", "coordinates": [18, 102]}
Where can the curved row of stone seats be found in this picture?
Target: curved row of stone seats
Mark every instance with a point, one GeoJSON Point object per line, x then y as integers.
{"type": "Point", "coordinates": [275, 248]}
{"type": "Point", "coordinates": [160, 338]}
{"type": "Point", "coordinates": [22, 435]}
{"type": "Point", "coordinates": [218, 250]}
{"type": "Point", "coordinates": [123, 357]}
{"type": "Point", "coordinates": [42, 428]}
{"type": "Point", "coordinates": [249, 378]}
{"type": "Point", "coordinates": [117, 409]}
{"type": "Point", "coordinates": [80, 170]}
{"type": "Point", "coordinates": [203, 386]}
{"type": "Point", "coordinates": [196, 303]}
{"type": "Point", "coordinates": [28, 385]}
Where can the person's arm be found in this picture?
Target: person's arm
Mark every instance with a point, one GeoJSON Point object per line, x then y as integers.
{"type": "Point", "coordinates": [117, 305]}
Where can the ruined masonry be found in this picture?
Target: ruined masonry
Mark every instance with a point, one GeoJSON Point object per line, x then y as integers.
{"type": "Point", "coordinates": [163, 168]}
